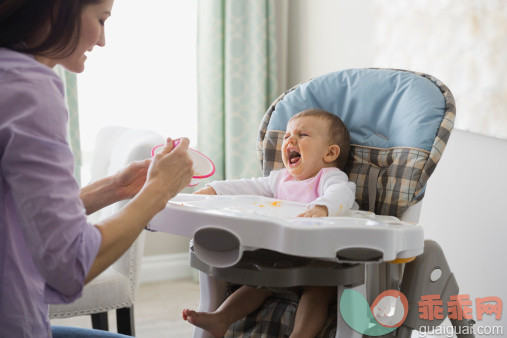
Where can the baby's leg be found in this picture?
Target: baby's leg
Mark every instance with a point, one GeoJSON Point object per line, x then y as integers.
{"type": "Point", "coordinates": [312, 310]}
{"type": "Point", "coordinates": [241, 303]}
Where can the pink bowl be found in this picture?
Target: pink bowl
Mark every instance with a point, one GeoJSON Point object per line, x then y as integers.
{"type": "Point", "coordinates": [203, 166]}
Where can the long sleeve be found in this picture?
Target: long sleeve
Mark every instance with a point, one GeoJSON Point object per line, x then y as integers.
{"type": "Point", "coordinates": [261, 186]}
{"type": "Point", "coordinates": [42, 196]}
{"type": "Point", "coordinates": [336, 193]}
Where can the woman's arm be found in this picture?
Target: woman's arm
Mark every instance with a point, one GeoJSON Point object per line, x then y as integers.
{"type": "Point", "coordinates": [125, 184]}
{"type": "Point", "coordinates": [169, 172]}
{"type": "Point", "coordinates": [98, 195]}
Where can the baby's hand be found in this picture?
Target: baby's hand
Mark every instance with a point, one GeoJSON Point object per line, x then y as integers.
{"type": "Point", "coordinates": [206, 191]}
{"type": "Point", "coordinates": [315, 211]}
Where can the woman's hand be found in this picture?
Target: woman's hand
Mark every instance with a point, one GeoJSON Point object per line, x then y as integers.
{"type": "Point", "coordinates": [130, 180]}
{"type": "Point", "coordinates": [315, 211]}
{"type": "Point", "coordinates": [206, 191]}
{"type": "Point", "coordinates": [171, 169]}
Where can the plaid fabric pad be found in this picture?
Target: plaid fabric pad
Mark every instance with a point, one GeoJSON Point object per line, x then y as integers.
{"type": "Point", "coordinates": [275, 318]}
{"type": "Point", "coordinates": [397, 182]}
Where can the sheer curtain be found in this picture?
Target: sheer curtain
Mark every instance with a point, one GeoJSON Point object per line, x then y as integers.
{"type": "Point", "coordinates": [70, 84]}
{"type": "Point", "coordinates": [237, 80]}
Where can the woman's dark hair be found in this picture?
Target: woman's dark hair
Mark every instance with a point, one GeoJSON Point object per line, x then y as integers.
{"type": "Point", "coordinates": [21, 20]}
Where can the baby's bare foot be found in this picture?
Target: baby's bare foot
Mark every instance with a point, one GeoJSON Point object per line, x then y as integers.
{"type": "Point", "coordinates": [208, 321]}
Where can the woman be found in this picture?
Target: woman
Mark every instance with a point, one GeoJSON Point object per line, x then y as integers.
{"type": "Point", "coordinates": [47, 249]}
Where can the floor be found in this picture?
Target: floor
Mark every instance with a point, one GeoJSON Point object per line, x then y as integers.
{"type": "Point", "coordinates": [157, 310]}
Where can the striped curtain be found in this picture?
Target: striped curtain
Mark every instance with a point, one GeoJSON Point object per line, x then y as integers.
{"type": "Point", "coordinates": [70, 84]}
{"type": "Point", "coordinates": [236, 79]}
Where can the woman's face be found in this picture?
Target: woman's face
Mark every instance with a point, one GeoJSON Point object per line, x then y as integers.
{"type": "Point", "coordinates": [93, 18]}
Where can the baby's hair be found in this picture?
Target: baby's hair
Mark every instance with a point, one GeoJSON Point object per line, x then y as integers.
{"type": "Point", "coordinates": [338, 132]}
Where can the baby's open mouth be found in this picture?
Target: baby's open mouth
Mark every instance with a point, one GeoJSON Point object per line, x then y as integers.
{"type": "Point", "coordinates": [294, 156]}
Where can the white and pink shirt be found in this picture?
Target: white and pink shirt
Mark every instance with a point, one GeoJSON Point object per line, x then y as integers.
{"type": "Point", "coordinates": [330, 187]}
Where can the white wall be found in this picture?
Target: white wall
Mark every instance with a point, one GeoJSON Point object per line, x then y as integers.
{"type": "Point", "coordinates": [328, 35]}
{"type": "Point", "coordinates": [464, 211]}
{"type": "Point", "coordinates": [462, 43]}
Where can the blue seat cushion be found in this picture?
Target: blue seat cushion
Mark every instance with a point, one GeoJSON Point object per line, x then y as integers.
{"type": "Point", "coordinates": [382, 108]}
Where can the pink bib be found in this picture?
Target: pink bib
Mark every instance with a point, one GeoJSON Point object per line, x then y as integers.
{"type": "Point", "coordinates": [305, 191]}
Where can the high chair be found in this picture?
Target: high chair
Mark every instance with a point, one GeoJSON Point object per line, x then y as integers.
{"type": "Point", "coordinates": [399, 122]}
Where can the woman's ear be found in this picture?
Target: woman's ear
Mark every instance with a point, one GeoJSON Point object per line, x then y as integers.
{"type": "Point", "coordinates": [333, 151]}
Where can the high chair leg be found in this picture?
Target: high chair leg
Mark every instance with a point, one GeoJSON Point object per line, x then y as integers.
{"type": "Point", "coordinates": [343, 330]}
{"type": "Point", "coordinates": [404, 332]}
{"type": "Point", "coordinates": [463, 323]}
{"type": "Point", "coordinates": [429, 274]}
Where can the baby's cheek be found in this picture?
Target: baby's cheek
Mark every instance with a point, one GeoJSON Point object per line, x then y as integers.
{"type": "Point", "coordinates": [284, 159]}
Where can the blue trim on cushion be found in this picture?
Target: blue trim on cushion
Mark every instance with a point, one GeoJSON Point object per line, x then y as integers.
{"type": "Point", "coordinates": [422, 192]}
{"type": "Point", "coordinates": [382, 108]}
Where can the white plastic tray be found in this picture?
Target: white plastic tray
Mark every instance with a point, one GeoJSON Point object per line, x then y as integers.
{"type": "Point", "coordinates": [265, 223]}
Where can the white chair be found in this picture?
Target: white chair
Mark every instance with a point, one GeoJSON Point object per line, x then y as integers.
{"type": "Point", "coordinates": [116, 287]}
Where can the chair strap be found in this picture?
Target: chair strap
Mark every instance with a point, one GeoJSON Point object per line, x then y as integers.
{"type": "Point", "coordinates": [372, 186]}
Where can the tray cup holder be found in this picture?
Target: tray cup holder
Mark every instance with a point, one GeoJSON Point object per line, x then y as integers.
{"type": "Point", "coordinates": [217, 247]}
{"type": "Point", "coordinates": [359, 255]}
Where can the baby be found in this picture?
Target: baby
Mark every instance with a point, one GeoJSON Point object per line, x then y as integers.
{"type": "Point", "coordinates": [315, 150]}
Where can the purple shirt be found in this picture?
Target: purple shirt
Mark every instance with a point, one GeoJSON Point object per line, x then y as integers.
{"type": "Point", "coordinates": [46, 245]}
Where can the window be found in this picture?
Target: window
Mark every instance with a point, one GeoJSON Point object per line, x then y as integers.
{"type": "Point", "coordinates": [145, 77]}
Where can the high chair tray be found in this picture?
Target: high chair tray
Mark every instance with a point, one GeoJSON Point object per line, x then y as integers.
{"type": "Point", "coordinates": [223, 227]}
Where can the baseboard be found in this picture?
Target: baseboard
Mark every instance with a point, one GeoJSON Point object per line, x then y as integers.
{"type": "Point", "coordinates": [165, 267]}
